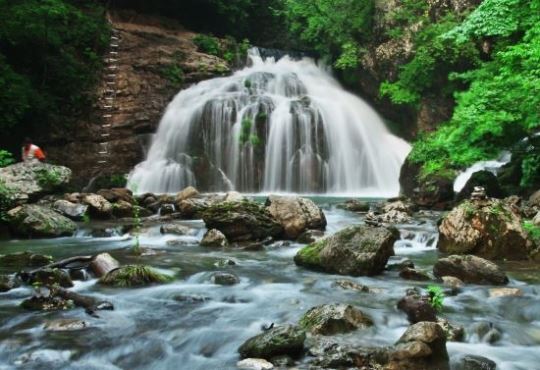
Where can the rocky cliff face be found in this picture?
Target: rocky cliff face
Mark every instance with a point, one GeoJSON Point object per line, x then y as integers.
{"type": "Point", "coordinates": [141, 79]}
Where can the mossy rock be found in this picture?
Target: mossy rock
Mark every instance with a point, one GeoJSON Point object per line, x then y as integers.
{"type": "Point", "coordinates": [356, 251]}
{"type": "Point", "coordinates": [278, 341]}
{"type": "Point", "coordinates": [17, 261]}
{"type": "Point", "coordinates": [31, 220]}
{"type": "Point", "coordinates": [330, 319]}
{"type": "Point", "coordinates": [133, 275]}
{"type": "Point", "coordinates": [241, 221]}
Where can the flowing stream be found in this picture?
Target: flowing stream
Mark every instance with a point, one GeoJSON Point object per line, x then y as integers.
{"type": "Point", "coordinates": [276, 126]}
{"type": "Point", "coordinates": [191, 324]}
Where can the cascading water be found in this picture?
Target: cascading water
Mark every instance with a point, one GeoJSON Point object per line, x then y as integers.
{"type": "Point", "coordinates": [284, 126]}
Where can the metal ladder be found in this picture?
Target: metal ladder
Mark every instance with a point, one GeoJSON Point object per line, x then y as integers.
{"type": "Point", "coordinates": [107, 100]}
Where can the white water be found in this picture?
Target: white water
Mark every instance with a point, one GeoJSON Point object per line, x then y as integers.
{"type": "Point", "coordinates": [302, 133]}
{"type": "Point", "coordinates": [492, 166]}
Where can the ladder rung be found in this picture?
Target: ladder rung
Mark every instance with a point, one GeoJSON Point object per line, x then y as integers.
{"type": "Point", "coordinates": [102, 162]}
{"type": "Point", "coordinates": [103, 152]}
{"type": "Point", "coordinates": [114, 38]}
{"type": "Point", "coordinates": [112, 67]}
{"type": "Point", "coordinates": [113, 52]}
{"type": "Point", "coordinates": [111, 83]}
{"type": "Point", "coordinates": [107, 125]}
{"type": "Point", "coordinates": [105, 135]}
{"type": "Point", "coordinates": [111, 76]}
{"type": "Point", "coordinates": [108, 98]}
{"type": "Point", "coordinates": [107, 115]}
{"type": "Point", "coordinates": [107, 107]}
{"type": "Point", "coordinates": [114, 45]}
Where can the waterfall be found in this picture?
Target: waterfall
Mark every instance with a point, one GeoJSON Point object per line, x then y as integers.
{"type": "Point", "coordinates": [275, 126]}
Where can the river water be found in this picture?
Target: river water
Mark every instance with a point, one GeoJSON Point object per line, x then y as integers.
{"type": "Point", "coordinates": [192, 324]}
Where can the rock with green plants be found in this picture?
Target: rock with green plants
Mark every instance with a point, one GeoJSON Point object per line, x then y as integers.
{"type": "Point", "coordinates": [31, 221]}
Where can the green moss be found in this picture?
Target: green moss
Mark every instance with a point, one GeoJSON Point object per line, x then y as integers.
{"type": "Point", "coordinates": [309, 255]}
{"type": "Point", "coordinates": [134, 275]}
{"type": "Point", "coordinates": [533, 230]}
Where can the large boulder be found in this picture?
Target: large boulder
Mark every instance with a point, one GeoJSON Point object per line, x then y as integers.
{"type": "Point", "coordinates": [280, 340]}
{"type": "Point", "coordinates": [240, 221]}
{"type": "Point", "coordinates": [214, 238]}
{"type": "Point", "coordinates": [418, 308]}
{"type": "Point", "coordinates": [117, 194]}
{"type": "Point", "coordinates": [75, 211]}
{"type": "Point", "coordinates": [330, 319]}
{"type": "Point", "coordinates": [28, 182]}
{"type": "Point", "coordinates": [295, 214]}
{"type": "Point", "coordinates": [356, 251]}
{"type": "Point", "coordinates": [487, 228]}
{"type": "Point", "coordinates": [103, 263]}
{"type": "Point", "coordinates": [31, 220]}
{"type": "Point", "coordinates": [17, 261]}
{"type": "Point", "coordinates": [470, 269]}
{"type": "Point", "coordinates": [421, 347]}
{"type": "Point", "coordinates": [187, 193]}
{"type": "Point", "coordinates": [98, 206]}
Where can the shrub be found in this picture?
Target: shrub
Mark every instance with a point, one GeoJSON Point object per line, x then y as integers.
{"type": "Point", "coordinates": [436, 296]}
{"type": "Point", "coordinates": [6, 158]}
{"type": "Point", "coordinates": [207, 44]}
{"type": "Point", "coordinates": [49, 179]}
{"type": "Point", "coordinates": [6, 200]}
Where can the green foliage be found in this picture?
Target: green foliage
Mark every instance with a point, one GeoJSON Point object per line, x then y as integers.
{"type": "Point", "coordinates": [6, 158]}
{"type": "Point", "coordinates": [49, 60]}
{"type": "Point", "coordinates": [533, 230]}
{"type": "Point", "coordinates": [133, 275]}
{"type": "Point", "coordinates": [334, 28]}
{"type": "Point", "coordinates": [530, 168]}
{"type": "Point", "coordinates": [207, 44]}
{"type": "Point", "coordinates": [6, 200]}
{"type": "Point", "coordinates": [245, 131]}
{"type": "Point", "coordinates": [49, 179]}
{"type": "Point", "coordinates": [174, 74]}
{"type": "Point", "coordinates": [436, 297]}
{"type": "Point", "coordinates": [502, 102]}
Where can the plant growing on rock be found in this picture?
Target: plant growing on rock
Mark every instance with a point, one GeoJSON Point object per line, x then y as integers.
{"type": "Point", "coordinates": [133, 275]}
{"type": "Point", "coordinates": [436, 297]}
{"type": "Point", "coordinates": [6, 158]}
{"type": "Point", "coordinates": [6, 200]}
{"type": "Point", "coordinates": [533, 230]}
{"type": "Point", "coordinates": [49, 178]}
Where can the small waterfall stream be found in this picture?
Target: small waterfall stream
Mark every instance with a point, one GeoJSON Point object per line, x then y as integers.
{"type": "Point", "coordinates": [276, 126]}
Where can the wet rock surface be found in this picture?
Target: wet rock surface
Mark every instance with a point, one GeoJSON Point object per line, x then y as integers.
{"type": "Point", "coordinates": [333, 319]}
{"type": "Point", "coordinates": [359, 250]}
{"type": "Point", "coordinates": [295, 214]}
{"type": "Point", "coordinates": [280, 340]}
{"type": "Point", "coordinates": [31, 220]}
{"type": "Point", "coordinates": [470, 269]}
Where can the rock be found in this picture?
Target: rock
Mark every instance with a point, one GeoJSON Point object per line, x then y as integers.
{"type": "Point", "coordinates": [224, 278]}
{"type": "Point", "coordinates": [412, 274]}
{"type": "Point", "coordinates": [425, 191]}
{"type": "Point", "coordinates": [358, 250]}
{"type": "Point", "coordinates": [454, 333]}
{"type": "Point", "coordinates": [28, 182]}
{"type": "Point", "coordinates": [485, 179]}
{"type": "Point", "coordinates": [399, 206]}
{"type": "Point", "coordinates": [470, 269]}
{"type": "Point", "coordinates": [536, 219]}
{"type": "Point", "coordinates": [133, 275]}
{"type": "Point", "coordinates": [473, 362]}
{"type": "Point", "coordinates": [123, 209]}
{"type": "Point", "coordinates": [489, 229]}
{"type": "Point", "coordinates": [417, 308]}
{"type": "Point", "coordinates": [65, 325]}
{"type": "Point", "coordinates": [337, 356]}
{"type": "Point", "coordinates": [421, 347]}
{"type": "Point", "coordinates": [31, 220]}
{"type": "Point", "coordinates": [310, 236]}
{"type": "Point", "coordinates": [233, 196]}
{"type": "Point", "coordinates": [505, 292]}
{"type": "Point", "coordinates": [351, 285]}
{"type": "Point", "coordinates": [187, 193]}
{"type": "Point", "coordinates": [390, 217]}
{"type": "Point", "coordinates": [240, 221]}
{"type": "Point", "coordinates": [46, 303]}
{"type": "Point", "coordinates": [98, 206]}
{"type": "Point", "coordinates": [102, 264]}
{"type": "Point", "coordinates": [486, 332]}
{"type": "Point", "coordinates": [215, 239]}
{"type": "Point", "coordinates": [17, 261]}
{"type": "Point", "coordinates": [295, 214]}
{"type": "Point", "coordinates": [193, 207]}
{"type": "Point", "coordinates": [8, 282]}
{"type": "Point", "coordinates": [354, 205]}
{"type": "Point", "coordinates": [331, 319]}
{"type": "Point", "coordinates": [453, 283]}
{"type": "Point", "coordinates": [254, 364]}
{"type": "Point", "coordinates": [115, 195]}
{"type": "Point", "coordinates": [224, 263]}
{"type": "Point", "coordinates": [534, 199]}
{"type": "Point", "coordinates": [75, 211]}
{"type": "Point", "coordinates": [396, 263]}
{"type": "Point", "coordinates": [166, 209]}
{"type": "Point", "coordinates": [280, 340]}
{"type": "Point", "coordinates": [176, 229]}
{"type": "Point", "coordinates": [51, 277]}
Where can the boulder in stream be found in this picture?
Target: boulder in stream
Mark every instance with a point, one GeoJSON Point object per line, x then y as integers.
{"type": "Point", "coordinates": [356, 251]}
{"type": "Point", "coordinates": [280, 340]}
{"type": "Point", "coordinates": [102, 264]}
{"type": "Point", "coordinates": [241, 221]}
{"type": "Point", "coordinates": [470, 269]}
{"type": "Point", "coordinates": [254, 364]}
{"type": "Point", "coordinates": [75, 211]}
{"type": "Point", "coordinates": [98, 206]}
{"type": "Point", "coordinates": [295, 214]}
{"type": "Point", "coordinates": [176, 229]}
{"type": "Point", "coordinates": [17, 261]}
{"type": "Point", "coordinates": [122, 209]}
{"type": "Point", "coordinates": [133, 275]}
{"type": "Point", "coordinates": [421, 347]}
{"type": "Point", "coordinates": [474, 362]}
{"type": "Point", "coordinates": [8, 282]}
{"type": "Point", "coordinates": [187, 193]}
{"type": "Point", "coordinates": [31, 220]}
{"type": "Point", "coordinates": [418, 308]}
{"type": "Point", "coordinates": [330, 319]}
{"type": "Point", "coordinates": [224, 278]}
{"type": "Point", "coordinates": [487, 228]}
{"type": "Point", "coordinates": [215, 239]}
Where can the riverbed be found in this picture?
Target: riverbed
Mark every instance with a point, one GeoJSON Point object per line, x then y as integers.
{"type": "Point", "coordinates": [193, 324]}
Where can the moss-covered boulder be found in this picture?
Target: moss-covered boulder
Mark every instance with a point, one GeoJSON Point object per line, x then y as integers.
{"type": "Point", "coordinates": [132, 276]}
{"type": "Point", "coordinates": [356, 251]}
{"type": "Point", "coordinates": [488, 228]}
{"type": "Point", "coordinates": [240, 221]}
{"type": "Point", "coordinates": [281, 340]}
{"type": "Point", "coordinates": [31, 220]}
{"type": "Point", "coordinates": [330, 319]}
{"type": "Point", "coordinates": [15, 262]}
{"type": "Point", "coordinates": [50, 277]}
